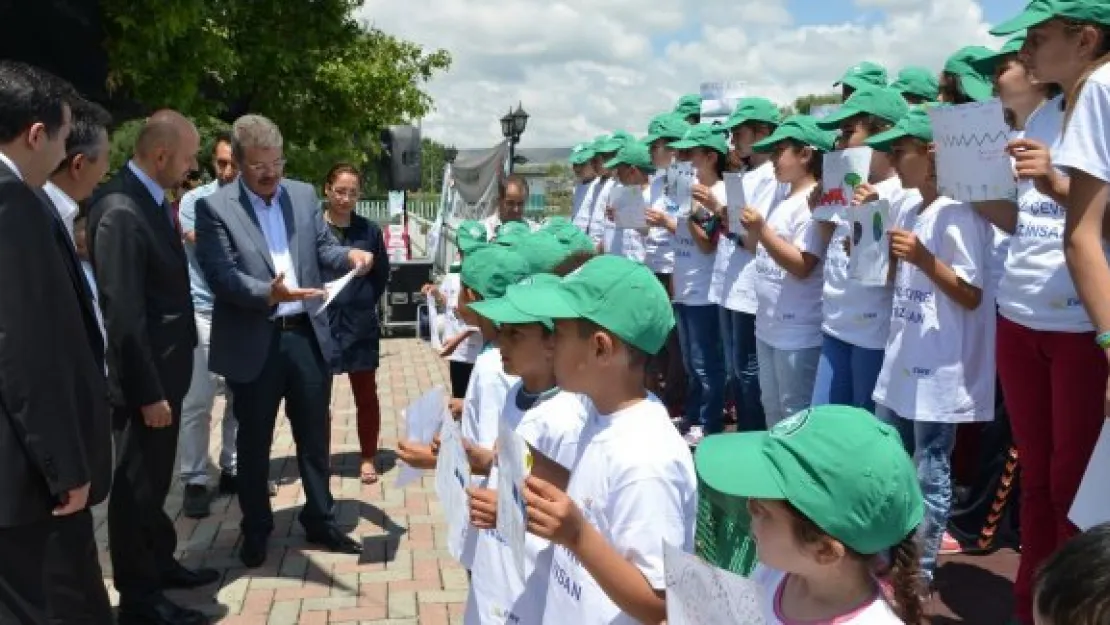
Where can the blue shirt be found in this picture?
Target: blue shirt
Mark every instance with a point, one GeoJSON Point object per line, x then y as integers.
{"type": "Point", "coordinates": [155, 189]}
{"type": "Point", "coordinates": [187, 216]}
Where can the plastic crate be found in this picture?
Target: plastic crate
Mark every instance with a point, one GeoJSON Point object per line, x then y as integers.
{"type": "Point", "coordinates": [723, 533]}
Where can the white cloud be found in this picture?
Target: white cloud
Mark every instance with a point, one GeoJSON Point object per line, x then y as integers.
{"type": "Point", "coordinates": [586, 67]}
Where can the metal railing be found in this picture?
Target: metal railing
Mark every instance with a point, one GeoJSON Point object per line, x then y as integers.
{"type": "Point", "coordinates": [378, 210]}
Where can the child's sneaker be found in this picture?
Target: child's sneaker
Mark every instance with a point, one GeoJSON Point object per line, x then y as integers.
{"type": "Point", "coordinates": [694, 436]}
{"type": "Point", "coordinates": [949, 546]}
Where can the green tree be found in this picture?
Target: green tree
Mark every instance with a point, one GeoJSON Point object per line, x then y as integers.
{"type": "Point", "coordinates": [805, 103]}
{"type": "Point", "coordinates": [433, 159]}
{"type": "Point", "coordinates": [123, 140]}
{"type": "Point", "coordinates": [330, 83]}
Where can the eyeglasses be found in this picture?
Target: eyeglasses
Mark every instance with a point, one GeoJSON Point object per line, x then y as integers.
{"type": "Point", "coordinates": [260, 168]}
{"type": "Point", "coordinates": [346, 194]}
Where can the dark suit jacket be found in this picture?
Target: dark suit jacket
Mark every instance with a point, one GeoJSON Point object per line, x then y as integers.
{"type": "Point", "coordinates": [235, 259]}
{"type": "Point", "coordinates": [54, 433]}
{"type": "Point", "coordinates": [143, 279]}
{"type": "Point", "coordinates": [354, 313]}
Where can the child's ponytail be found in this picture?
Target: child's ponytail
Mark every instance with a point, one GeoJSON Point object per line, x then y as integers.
{"type": "Point", "coordinates": [905, 581]}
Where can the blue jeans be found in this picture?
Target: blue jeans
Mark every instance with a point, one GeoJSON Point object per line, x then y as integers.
{"type": "Point", "coordinates": [931, 446]}
{"type": "Point", "coordinates": [846, 375]}
{"type": "Point", "coordinates": [699, 335]}
{"type": "Point", "coordinates": [742, 367]}
{"type": "Point", "coordinates": [786, 380]}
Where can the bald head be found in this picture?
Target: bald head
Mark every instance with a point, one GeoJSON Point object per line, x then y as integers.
{"type": "Point", "coordinates": [166, 148]}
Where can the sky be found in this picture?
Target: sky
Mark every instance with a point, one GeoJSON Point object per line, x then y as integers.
{"type": "Point", "coordinates": [583, 68]}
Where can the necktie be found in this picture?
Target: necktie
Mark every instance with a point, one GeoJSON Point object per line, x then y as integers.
{"type": "Point", "coordinates": [171, 214]}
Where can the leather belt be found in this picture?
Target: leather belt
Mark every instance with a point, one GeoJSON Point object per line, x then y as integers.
{"type": "Point", "coordinates": [292, 322]}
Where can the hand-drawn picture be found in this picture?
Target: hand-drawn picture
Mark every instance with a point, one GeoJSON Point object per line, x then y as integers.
{"type": "Point", "coordinates": [844, 170]}
{"type": "Point", "coordinates": [972, 162]}
{"type": "Point", "coordinates": [514, 463]}
{"type": "Point", "coordinates": [869, 262]}
{"type": "Point", "coordinates": [452, 479]}
{"type": "Point", "coordinates": [701, 594]}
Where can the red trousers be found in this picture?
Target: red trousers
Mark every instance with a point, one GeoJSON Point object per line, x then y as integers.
{"type": "Point", "coordinates": [364, 386]}
{"type": "Point", "coordinates": [1053, 384]}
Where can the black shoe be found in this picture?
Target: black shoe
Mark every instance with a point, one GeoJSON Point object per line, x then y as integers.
{"type": "Point", "coordinates": [253, 551]}
{"type": "Point", "coordinates": [157, 610]}
{"type": "Point", "coordinates": [334, 540]}
{"type": "Point", "coordinates": [228, 484]}
{"type": "Point", "coordinates": [195, 503]}
{"type": "Point", "coordinates": [180, 577]}
{"type": "Point", "coordinates": [273, 486]}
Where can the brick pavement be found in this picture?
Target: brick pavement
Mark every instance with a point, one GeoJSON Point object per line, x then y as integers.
{"type": "Point", "coordinates": [404, 577]}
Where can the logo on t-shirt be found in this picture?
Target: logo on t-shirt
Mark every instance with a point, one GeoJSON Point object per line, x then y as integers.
{"type": "Point", "coordinates": [790, 425]}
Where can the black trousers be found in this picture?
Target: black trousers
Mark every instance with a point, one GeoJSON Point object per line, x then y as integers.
{"type": "Point", "coordinates": [294, 371]}
{"type": "Point", "coordinates": [460, 377]}
{"type": "Point", "coordinates": [142, 538]}
{"type": "Point", "coordinates": [50, 575]}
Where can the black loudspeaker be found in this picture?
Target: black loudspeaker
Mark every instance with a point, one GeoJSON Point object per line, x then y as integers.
{"type": "Point", "coordinates": [401, 157]}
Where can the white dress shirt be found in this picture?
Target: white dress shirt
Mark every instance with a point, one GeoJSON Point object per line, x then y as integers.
{"type": "Point", "coordinates": [272, 222]}
{"type": "Point", "coordinates": [67, 208]}
{"type": "Point", "coordinates": [11, 165]}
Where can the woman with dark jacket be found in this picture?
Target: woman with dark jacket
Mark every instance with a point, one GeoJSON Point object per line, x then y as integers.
{"type": "Point", "coordinates": [353, 314]}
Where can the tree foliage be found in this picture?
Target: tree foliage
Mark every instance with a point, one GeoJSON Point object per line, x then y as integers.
{"type": "Point", "coordinates": [330, 83]}
{"type": "Point", "coordinates": [805, 104]}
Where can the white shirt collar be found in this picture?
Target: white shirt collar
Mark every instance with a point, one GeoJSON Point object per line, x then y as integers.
{"type": "Point", "coordinates": [11, 165]}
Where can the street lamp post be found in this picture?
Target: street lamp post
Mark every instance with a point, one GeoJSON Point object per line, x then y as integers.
{"type": "Point", "coordinates": [513, 125]}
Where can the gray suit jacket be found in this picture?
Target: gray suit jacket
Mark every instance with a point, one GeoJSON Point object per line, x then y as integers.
{"type": "Point", "coordinates": [232, 253]}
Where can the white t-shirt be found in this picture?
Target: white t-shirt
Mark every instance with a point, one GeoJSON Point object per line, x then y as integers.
{"type": "Point", "coordinates": [597, 221]}
{"type": "Point", "coordinates": [584, 213]}
{"type": "Point", "coordinates": [498, 594]}
{"type": "Point", "coordinates": [485, 399]}
{"type": "Point", "coordinates": [581, 190]}
{"type": "Point", "coordinates": [659, 243]}
{"type": "Point", "coordinates": [626, 242]}
{"type": "Point", "coordinates": [1085, 144]}
{"type": "Point", "coordinates": [789, 313]}
{"type": "Point", "coordinates": [1036, 289]}
{"type": "Point", "coordinates": [939, 361]}
{"type": "Point", "coordinates": [634, 481]}
{"type": "Point", "coordinates": [693, 268]}
{"type": "Point", "coordinates": [761, 191]}
{"type": "Point", "coordinates": [467, 351]}
{"type": "Point", "coordinates": [876, 611]}
{"type": "Point", "coordinates": [855, 313]}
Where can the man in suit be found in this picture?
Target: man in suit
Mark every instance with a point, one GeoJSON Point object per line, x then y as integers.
{"type": "Point", "coordinates": [141, 271]}
{"type": "Point", "coordinates": [261, 243]}
{"type": "Point", "coordinates": [55, 438]}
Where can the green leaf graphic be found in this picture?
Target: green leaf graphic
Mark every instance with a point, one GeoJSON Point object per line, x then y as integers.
{"type": "Point", "coordinates": [853, 179]}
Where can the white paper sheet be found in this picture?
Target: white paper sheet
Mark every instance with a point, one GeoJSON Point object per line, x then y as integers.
{"type": "Point", "coordinates": [701, 594]}
{"type": "Point", "coordinates": [869, 260]}
{"type": "Point", "coordinates": [333, 289]}
{"type": "Point", "coordinates": [844, 170]}
{"type": "Point", "coordinates": [437, 323]}
{"type": "Point", "coordinates": [422, 418]}
{"type": "Point", "coordinates": [680, 185]}
{"type": "Point", "coordinates": [1092, 503]}
{"type": "Point", "coordinates": [734, 190]}
{"type": "Point", "coordinates": [396, 203]}
{"type": "Point", "coordinates": [514, 464]}
{"type": "Point", "coordinates": [629, 208]}
{"type": "Point", "coordinates": [452, 479]}
{"type": "Point", "coordinates": [718, 99]}
{"type": "Point", "coordinates": [972, 162]}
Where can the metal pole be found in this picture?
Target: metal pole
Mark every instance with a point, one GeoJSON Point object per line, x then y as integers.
{"type": "Point", "coordinates": [512, 154]}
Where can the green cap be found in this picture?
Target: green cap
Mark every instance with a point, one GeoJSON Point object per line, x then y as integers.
{"type": "Point", "coordinates": [542, 249]}
{"type": "Point", "coordinates": [839, 466]}
{"type": "Point", "coordinates": [802, 128]}
{"type": "Point", "coordinates": [490, 269]}
{"type": "Point", "coordinates": [917, 81]}
{"type": "Point", "coordinates": [666, 126]}
{"type": "Point", "coordinates": [863, 75]}
{"type": "Point", "coordinates": [581, 154]}
{"type": "Point", "coordinates": [573, 239]}
{"type": "Point", "coordinates": [703, 136]}
{"type": "Point", "coordinates": [882, 102]}
{"type": "Point", "coordinates": [1038, 12]}
{"type": "Point", "coordinates": [961, 65]}
{"type": "Point", "coordinates": [509, 233]}
{"type": "Point", "coordinates": [635, 154]}
{"type": "Point", "coordinates": [505, 310]}
{"type": "Point", "coordinates": [613, 143]}
{"type": "Point", "coordinates": [989, 64]}
{"type": "Point", "coordinates": [689, 104]}
{"type": "Point", "coordinates": [618, 294]}
{"type": "Point", "coordinates": [470, 234]}
{"type": "Point", "coordinates": [555, 221]}
{"type": "Point", "coordinates": [915, 124]}
{"type": "Point", "coordinates": [754, 110]}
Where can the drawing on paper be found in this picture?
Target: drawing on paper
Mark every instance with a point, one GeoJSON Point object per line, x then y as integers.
{"type": "Point", "coordinates": [700, 594]}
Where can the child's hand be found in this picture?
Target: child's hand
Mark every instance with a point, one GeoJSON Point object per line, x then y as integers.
{"type": "Point", "coordinates": [480, 458]}
{"type": "Point", "coordinates": [1032, 161]}
{"type": "Point", "coordinates": [551, 513]}
{"type": "Point", "coordinates": [416, 455]}
{"type": "Point", "coordinates": [752, 221]}
{"type": "Point", "coordinates": [456, 407]}
{"type": "Point", "coordinates": [483, 508]}
{"type": "Point", "coordinates": [655, 218]}
{"type": "Point", "coordinates": [864, 194]}
{"type": "Point", "coordinates": [702, 195]}
{"type": "Point", "coordinates": [906, 246]}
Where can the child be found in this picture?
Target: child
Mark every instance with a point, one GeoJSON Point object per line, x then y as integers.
{"type": "Point", "coordinates": [916, 84]}
{"type": "Point", "coordinates": [861, 76]}
{"type": "Point", "coordinates": [938, 370]}
{"type": "Point", "coordinates": [462, 347]}
{"type": "Point", "coordinates": [1073, 587]}
{"type": "Point", "coordinates": [833, 499]}
{"type": "Point", "coordinates": [633, 484]}
{"type": "Point", "coordinates": [550, 420]}
{"type": "Point", "coordinates": [754, 120]}
{"type": "Point", "coordinates": [696, 237]}
{"type": "Point", "coordinates": [789, 250]}
{"type": "Point", "coordinates": [856, 317]}
{"type": "Point", "coordinates": [634, 168]}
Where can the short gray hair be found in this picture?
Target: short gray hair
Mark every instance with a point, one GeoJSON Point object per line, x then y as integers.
{"type": "Point", "coordinates": [253, 131]}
